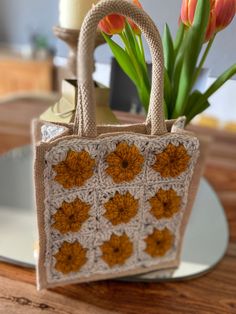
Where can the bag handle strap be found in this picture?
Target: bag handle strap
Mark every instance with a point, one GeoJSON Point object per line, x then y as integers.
{"type": "Point", "coordinates": [85, 120]}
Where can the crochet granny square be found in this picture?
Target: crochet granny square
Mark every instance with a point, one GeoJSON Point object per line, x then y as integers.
{"type": "Point", "coordinates": [114, 204]}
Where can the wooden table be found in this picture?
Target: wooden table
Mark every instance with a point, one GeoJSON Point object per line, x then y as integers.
{"type": "Point", "coordinates": [212, 293]}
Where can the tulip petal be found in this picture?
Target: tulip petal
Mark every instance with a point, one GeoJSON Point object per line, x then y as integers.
{"type": "Point", "coordinates": [225, 11]}
{"type": "Point", "coordinates": [184, 12]}
{"type": "Point", "coordinates": [135, 27]}
{"type": "Point", "coordinates": [191, 10]}
{"type": "Point", "coordinates": [137, 3]}
{"type": "Point", "coordinates": [112, 24]}
{"type": "Point", "coordinates": [211, 28]}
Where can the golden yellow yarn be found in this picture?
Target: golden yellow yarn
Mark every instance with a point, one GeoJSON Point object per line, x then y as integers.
{"type": "Point", "coordinates": [75, 170]}
{"type": "Point", "coordinates": [70, 257]}
{"type": "Point", "coordinates": [70, 216]}
{"type": "Point", "coordinates": [165, 203]}
{"type": "Point", "coordinates": [117, 250]}
{"type": "Point", "coordinates": [172, 161]}
{"type": "Point", "coordinates": [121, 208]}
{"type": "Point", "coordinates": [125, 163]}
{"type": "Point", "coordinates": [159, 242]}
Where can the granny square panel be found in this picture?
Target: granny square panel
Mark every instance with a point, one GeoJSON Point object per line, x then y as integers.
{"type": "Point", "coordinates": [115, 203]}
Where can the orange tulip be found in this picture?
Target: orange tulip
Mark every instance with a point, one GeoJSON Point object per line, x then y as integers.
{"type": "Point", "coordinates": [211, 28]}
{"type": "Point", "coordinates": [137, 3]}
{"type": "Point", "coordinates": [135, 28]}
{"type": "Point", "coordinates": [112, 24]}
{"type": "Point", "coordinates": [225, 11]}
{"type": "Point", "coordinates": [188, 11]}
{"type": "Point", "coordinates": [187, 16]}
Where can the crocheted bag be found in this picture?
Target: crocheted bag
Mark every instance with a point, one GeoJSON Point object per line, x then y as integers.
{"type": "Point", "coordinates": [112, 201]}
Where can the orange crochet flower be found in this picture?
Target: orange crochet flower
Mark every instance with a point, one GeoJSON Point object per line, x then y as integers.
{"type": "Point", "coordinates": [70, 257]}
{"type": "Point", "coordinates": [159, 242]}
{"type": "Point", "coordinates": [124, 163]}
{"type": "Point", "coordinates": [121, 208]}
{"type": "Point", "coordinates": [165, 203]}
{"type": "Point", "coordinates": [172, 161]}
{"type": "Point", "coordinates": [117, 250]}
{"type": "Point", "coordinates": [71, 216]}
{"type": "Point", "coordinates": [75, 170]}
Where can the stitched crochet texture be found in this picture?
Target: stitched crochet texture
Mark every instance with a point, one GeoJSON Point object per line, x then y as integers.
{"type": "Point", "coordinates": [71, 216]}
{"type": "Point", "coordinates": [117, 250]}
{"type": "Point", "coordinates": [159, 242]}
{"type": "Point", "coordinates": [165, 204]}
{"type": "Point", "coordinates": [172, 161]}
{"type": "Point", "coordinates": [121, 208]}
{"type": "Point", "coordinates": [75, 169]}
{"type": "Point", "coordinates": [114, 225]}
{"type": "Point", "coordinates": [124, 163]}
{"type": "Point", "coordinates": [70, 257]}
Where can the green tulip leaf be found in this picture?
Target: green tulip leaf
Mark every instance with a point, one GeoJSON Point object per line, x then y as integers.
{"type": "Point", "coordinates": [138, 53]}
{"type": "Point", "coordinates": [194, 41]}
{"type": "Point", "coordinates": [179, 38]}
{"type": "Point", "coordinates": [131, 38]}
{"type": "Point", "coordinates": [224, 77]}
{"type": "Point", "coordinates": [196, 104]}
{"type": "Point", "coordinates": [165, 109]}
{"type": "Point", "coordinates": [123, 59]}
{"type": "Point", "coordinates": [144, 96]}
{"type": "Point", "coordinates": [168, 47]}
{"type": "Point", "coordinates": [167, 93]}
{"type": "Point", "coordinates": [179, 59]}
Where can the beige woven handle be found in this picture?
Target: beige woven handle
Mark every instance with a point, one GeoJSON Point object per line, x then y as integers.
{"type": "Point", "coordinates": [85, 120]}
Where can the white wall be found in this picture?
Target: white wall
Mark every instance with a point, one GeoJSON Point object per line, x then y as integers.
{"type": "Point", "coordinates": [20, 19]}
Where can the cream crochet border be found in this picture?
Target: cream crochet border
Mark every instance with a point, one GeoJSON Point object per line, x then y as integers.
{"type": "Point", "coordinates": [100, 188]}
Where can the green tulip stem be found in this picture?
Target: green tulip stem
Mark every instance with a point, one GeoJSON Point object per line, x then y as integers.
{"type": "Point", "coordinates": [140, 43]}
{"type": "Point", "coordinates": [143, 62]}
{"type": "Point", "coordinates": [141, 47]}
{"type": "Point", "coordinates": [200, 66]}
{"type": "Point", "coordinates": [132, 56]}
{"type": "Point", "coordinates": [179, 38]}
{"type": "Point", "coordinates": [142, 88]}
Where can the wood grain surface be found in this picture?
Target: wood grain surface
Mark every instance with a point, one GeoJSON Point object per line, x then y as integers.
{"type": "Point", "coordinates": [23, 74]}
{"type": "Point", "coordinates": [214, 292]}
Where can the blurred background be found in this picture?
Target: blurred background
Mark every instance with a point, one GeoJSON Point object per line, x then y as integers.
{"type": "Point", "coordinates": [21, 21]}
{"type": "Point", "coordinates": [29, 47]}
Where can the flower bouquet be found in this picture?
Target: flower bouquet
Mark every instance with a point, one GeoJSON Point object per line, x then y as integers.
{"type": "Point", "coordinates": [200, 21]}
